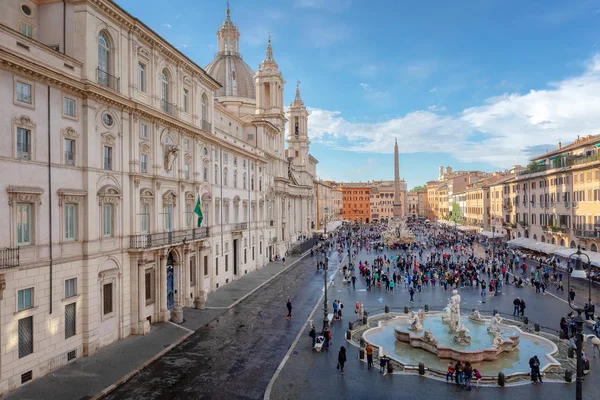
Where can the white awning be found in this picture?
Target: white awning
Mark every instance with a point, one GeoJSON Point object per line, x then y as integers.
{"type": "Point", "coordinates": [566, 252]}
{"type": "Point", "coordinates": [534, 245]}
{"type": "Point", "coordinates": [492, 235]}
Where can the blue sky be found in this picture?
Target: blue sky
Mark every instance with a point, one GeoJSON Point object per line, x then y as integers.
{"type": "Point", "coordinates": [474, 84]}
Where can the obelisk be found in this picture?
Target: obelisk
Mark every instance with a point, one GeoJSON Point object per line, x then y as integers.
{"type": "Point", "coordinates": [397, 204]}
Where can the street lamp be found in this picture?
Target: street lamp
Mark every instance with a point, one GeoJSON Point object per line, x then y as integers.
{"type": "Point", "coordinates": [493, 242]}
{"type": "Point", "coordinates": [325, 307]}
{"type": "Point", "coordinates": [579, 272]}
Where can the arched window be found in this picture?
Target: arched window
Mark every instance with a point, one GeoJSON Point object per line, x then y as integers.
{"type": "Point", "coordinates": [204, 112]}
{"type": "Point", "coordinates": [225, 173]}
{"type": "Point", "coordinates": [104, 55]}
{"type": "Point", "coordinates": [235, 179]}
{"type": "Point", "coordinates": [594, 248]}
{"type": "Point", "coordinates": [164, 89]}
{"type": "Point", "coordinates": [534, 237]}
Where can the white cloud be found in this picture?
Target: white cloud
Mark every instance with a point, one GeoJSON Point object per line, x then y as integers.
{"type": "Point", "coordinates": [499, 131]}
{"type": "Point", "coordinates": [167, 26]}
{"type": "Point", "coordinates": [433, 90]}
{"type": "Point", "coordinates": [435, 108]}
{"type": "Point", "coordinates": [364, 86]}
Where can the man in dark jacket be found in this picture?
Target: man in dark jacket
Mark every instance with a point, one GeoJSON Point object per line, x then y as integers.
{"type": "Point", "coordinates": [289, 307]}
{"type": "Point", "coordinates": [517, 304]}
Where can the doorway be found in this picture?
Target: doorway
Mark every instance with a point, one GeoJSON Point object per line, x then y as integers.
{"type": "Point", "coordinates": [235, 256]}
{"type": "Point", "coordinates": [170, 291]}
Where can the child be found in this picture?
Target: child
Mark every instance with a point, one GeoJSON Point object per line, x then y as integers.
{"type": "Point", "coordinates": [450, 373]}
{"type": "Point", "coordinates": [477, 375]}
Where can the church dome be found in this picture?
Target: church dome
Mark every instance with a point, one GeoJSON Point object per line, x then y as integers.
{"type": "Point", "coordinates": [235, 76]}
{"type": "Point", "coordinates": [228, 68]}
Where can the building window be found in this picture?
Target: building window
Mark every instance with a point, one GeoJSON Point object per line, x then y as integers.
{"type": "Point", "coordinates": [145, 218]}
{"type": "Point", "coordinates": [205, 265]}
{"type": "Point", "coordinates": [70, 288]}
{"type": "Point", "coordinates": [69, 149]}
{"type": "Point", "coordinates": [24, 299]}
{"type": "Point", "coordinates": [107, 298]}
{"type": "Point", "coordinates": [192, 271]}
{"type": "Point", "coordinates": [186, 144]}
{"type": "Point", "coordinates": [68, 107]}
{"type": "Point", "coordinates": [217, 266]}
{"type": "Point", "coordinates": [144, 163]}
{"type": "Point", "coordinates": [24, 92]}
{"type": "Point", "coordinates": [186, 170]}
{"type": "Point", "coordinates": [204, 113]}
{"type": "Point", "coordinates": [108, 158]}
{"type": "Point", "coordinates": [104, 55]}
{"type": "Point", "coordinates": [23, 144]}
{"type": "Point", "coordinates": [168, 217]}
{"type": "Point", "coordinates": [164, 89]}
{"type": "Point", "coordinates": [143, 130]}
{"type": "Point", "coordinates": [186, 100]}
{"type": "Point", "coordinates": [24, 224]}
{"type": "Point", "coordinates": [26, 29]}
{"type": "Point", "coordinates": [216, 175]}
{"type": "Point", "coordinates": [205, 174]}
{"type": "Point", "coordinates": [235, 179]}
{"type": "Point", "coordinates": [225, 174]}
{"type": "Point", "coordinates": [244, 181]}
{"type": "Point", "coordinates": [70, 221]}
{"type": "Point", "coordinates": [70, 320]}
{"type": "Point", "coordinates": [141, 77]}
{"type": "Point", "coordinates": [107, 218]}
{"type": "Point", "coordinates": [25, 336]}
{"type": "Point", "coordinates": [149, 285]}
{"type": "Point", "coordinates": [188, 215]}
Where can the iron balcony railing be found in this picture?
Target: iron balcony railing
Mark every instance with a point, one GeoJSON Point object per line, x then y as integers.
{"type": "Point", "coordinates": [580, 233]}
{"type": "Point", "coordinates": [154, 240]}
{"type": "Point", "coordinates": [9, 257]}
{"type": "Point", "coordinates": [107, 80]}
{"type": "Point", "coordinates": [240, 226]}
{"type": "Point", "coordinates": [167, 107]}
{"type": "Point", "coordinates": [206, 126]}
{"type": "Point", "coordinates": [70, 157]}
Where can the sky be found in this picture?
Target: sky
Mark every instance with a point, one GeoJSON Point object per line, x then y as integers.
{"type": "Point", "coordinates": [471, 84]}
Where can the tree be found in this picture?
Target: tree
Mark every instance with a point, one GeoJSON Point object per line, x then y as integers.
{"type": "Point", "coordinates": [418, 189]}
{"type": "Point", "coordinates": [455, 216]}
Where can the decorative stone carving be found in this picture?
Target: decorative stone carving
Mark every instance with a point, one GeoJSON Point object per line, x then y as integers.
{"type": "Point", "coordinates": [146, 196]}
{"type": "Point", "coordinates": [24, 194]}
{"type": "Point", "coordinates": [24, 120]}
{"type": "Point", "coordinates": [462, 338]}
{"type": "Point", "coordinates": [68, 196]}
{"type": "Point", "coordinates": [108, 138]}
{"type": "Point", "coordinates": [143, 52]}
{"type": "Point", "coordinates": [189, 196]}
{"type": "Point", "coordinates": [136, 182]}
{"type": "Point", "coordinates": [171, 154]}
{"type": "Point", "coordinates": [109, 195]}
{"type": "Point", "coordinates": [415, 321]}
{"type": "Point", "coordinates": [187, 158]}
{"type": "Point", "coordinates": [497, 340]}
{"type": "Point", "coordinates": [145, 147]}
{"type": "Point", "coordinates": [206, 198]}
{"type": "Point", "coordinates": [136, 119]}
{"type": "Point", "coordinates": [236, 201]}
{"type": "Point", "coordinates": [70, 133]}
{"type": "Point", "coordinates": [170, 198]}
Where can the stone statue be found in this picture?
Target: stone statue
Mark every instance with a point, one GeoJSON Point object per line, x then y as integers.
{"type": "Point", "coordinates": [462, 338]}
{"type": "Point", "coordinates": [397, 233]}
{"type": "Point", "coordinates": [428, 337]}
{"type": "Point", "coordinates": [171, 154]}
{"type": "Point", "coordinates": [291, 171]}
{"type": "Point", "coordinates": [476, 316]}
{"type": "Point", "coordinates": [361, 311]}
{"type": "Point", "coordinates": [452, 317]}
{"type": "Point", "coordinates": [497, 340]}
{"type": "Point", "coordinates": [493, 327]}
{"type": "Point", "coordinates": [415, 321]}
{"type": "Point", "coordinates": [447, 314]}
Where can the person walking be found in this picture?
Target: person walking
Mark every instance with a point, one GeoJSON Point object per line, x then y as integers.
{"type": "Point", "coordinates": [369, 351]}
{"type": "Point", "coordinates": [353, 282]}
{"type": "Point", "coordinates": [517, 304]}
{"type": "Point", "coordinates": [468, 374]}
{"type": "Point", "coordinates": [341, 359]}
{"type": "Point", "coordinates": [313, 335]}
{"type": "Point", "coordinates": [522, 307]}
{"type": "Point", "coordinates": [289, 308]}
{"type": "Point", "coordinates": [411, 292]}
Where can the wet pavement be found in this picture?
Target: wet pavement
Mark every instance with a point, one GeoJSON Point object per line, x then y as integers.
{"type": "Point", "coordinates": [234, 356]}
{"type": "Point", "coordinates": [307, 374]}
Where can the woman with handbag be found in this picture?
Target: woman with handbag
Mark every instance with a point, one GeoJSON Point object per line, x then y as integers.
{"type": "Point", "coordinates": [341, 359]}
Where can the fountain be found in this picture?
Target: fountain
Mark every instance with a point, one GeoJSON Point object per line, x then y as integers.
{"type": "Point", "coordinates": [487, 343]}
{"type": "Point", "coordinates": [397, 232]}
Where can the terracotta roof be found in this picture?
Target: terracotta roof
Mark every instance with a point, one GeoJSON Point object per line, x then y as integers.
{"type": "Point", "coordinates": [580, 142]}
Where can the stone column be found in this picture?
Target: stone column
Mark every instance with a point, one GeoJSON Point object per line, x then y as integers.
{"type": "Point", "coordinates": [162, 288]}
{"type": "Point", "coordinates": [177, 315]}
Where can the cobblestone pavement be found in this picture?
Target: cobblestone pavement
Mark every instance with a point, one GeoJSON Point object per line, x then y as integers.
{"type": "Point", "coordinates": [234, 356]}
{"type": "Point", "coordinates": [307, 374]}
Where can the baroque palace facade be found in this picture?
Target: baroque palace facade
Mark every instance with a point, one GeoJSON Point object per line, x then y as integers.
{"type": "Point", "coordinates": [109, 137]}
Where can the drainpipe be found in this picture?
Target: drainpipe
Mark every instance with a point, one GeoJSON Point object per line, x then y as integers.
{"type": "Point", "coordinates": [221, 207]}
{"type": "Point", "coordinates": [64, 26]}
{"type": "Point", "coordinates": [50, 200]}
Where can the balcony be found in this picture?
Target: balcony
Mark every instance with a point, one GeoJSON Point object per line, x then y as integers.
{"type": "Point", "coordinates": [533, 204]}
{"type": "Point", "coordinates": [9, 257]}
{"type": "Point", "coordinates": [583, 234]}
{"type": "Point", "coordinates": [561, 230]}
{"type": "Point", "coordinates": [524, 224]}
{"type": "Point", "coordinates": [167, 107]}
{"type": "Point", "coordinates": [240, 226]}
{"type": "Point", "coordinates": [107, 80]}
{"type": "Point", "coordinates": [273, 240]}
{"type": "Point", "coordinates": [163, 239]}
{"type": "Point", "coordinates": [206, 126]}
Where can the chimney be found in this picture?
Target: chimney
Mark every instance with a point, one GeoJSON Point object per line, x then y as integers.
{"type": "Point", "coordinates": [559, 145]}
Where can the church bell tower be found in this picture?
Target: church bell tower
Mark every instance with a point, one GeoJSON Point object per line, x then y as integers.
{"type": "Point", "coordinates": [298, 131]}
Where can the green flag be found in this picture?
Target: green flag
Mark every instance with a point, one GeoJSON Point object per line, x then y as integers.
{"type": "Point", "coordinates": [198, 211]}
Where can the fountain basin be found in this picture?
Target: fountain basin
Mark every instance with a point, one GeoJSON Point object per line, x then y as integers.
{"type": "Point", "coordinates": [512, 363]}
